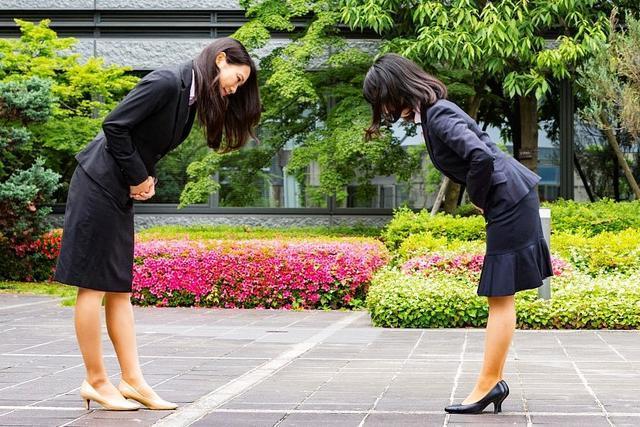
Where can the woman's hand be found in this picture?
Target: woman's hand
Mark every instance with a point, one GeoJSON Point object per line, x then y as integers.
{"type": "Point", "coordinates": [143, 191]}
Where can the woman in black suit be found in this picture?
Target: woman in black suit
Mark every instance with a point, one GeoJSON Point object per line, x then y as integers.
{"type": "Point", "coordinates": [117, 167]}
{"type": "Point", "coordinates": [517, 256]}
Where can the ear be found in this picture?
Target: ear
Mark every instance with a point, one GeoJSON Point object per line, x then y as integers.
{"type": "Point", "coordinates": [221, 59]}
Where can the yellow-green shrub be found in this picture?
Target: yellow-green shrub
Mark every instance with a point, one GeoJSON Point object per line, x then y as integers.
{"type": "Point", "coordinates": [405, 222]}
{"type": "Point", "coordinates": [605, 252]}
{"type": "Point", "coordinates": [424, 243]}
{"type": "Point", "coordinates": [578, 301]}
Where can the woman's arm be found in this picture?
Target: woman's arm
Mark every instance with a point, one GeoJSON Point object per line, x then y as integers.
{"type": "Point", "coordinates": [149, 95]}
{"type": "Point", "coordinates": [453, 130]}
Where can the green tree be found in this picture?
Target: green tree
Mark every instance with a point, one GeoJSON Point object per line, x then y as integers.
{"type": "Point", "coordinates": [83, 92]}
{"type": "Point", "coordinates": [26, 196]}
{"type": "Point", "coordinates": [503, 41]}
{"type": "Point", "coordinates": [311, 91]}
{"type": "Point", "coordinates": [610, 84]}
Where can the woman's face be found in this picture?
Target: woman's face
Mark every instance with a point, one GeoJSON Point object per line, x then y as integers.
{"type": "Point", "coordinates": [231, 76]}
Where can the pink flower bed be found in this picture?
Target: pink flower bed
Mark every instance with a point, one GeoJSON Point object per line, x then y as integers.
{"type": "Point", "coordinates": [466, 264]}
{"type": "Point", "coordinates": [256, 273]}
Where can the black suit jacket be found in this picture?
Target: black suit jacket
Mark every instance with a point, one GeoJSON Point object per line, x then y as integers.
{"type": "Point", "coordinates": [460, 150]}
{"type": "Point", "coordinates": [150, 121]}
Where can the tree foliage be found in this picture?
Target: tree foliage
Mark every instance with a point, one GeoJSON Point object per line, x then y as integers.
{"type": "Point", "coordinates": [311, 91]}
{"type": "Point", "coordinates": [82, 93]}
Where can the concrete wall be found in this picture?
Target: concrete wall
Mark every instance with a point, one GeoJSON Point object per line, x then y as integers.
{"type": "Point", "coordinates": [143, 221]}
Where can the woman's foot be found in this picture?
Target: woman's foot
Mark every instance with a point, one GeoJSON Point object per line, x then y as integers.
{"type": "Point", "coordinates": [481, 389]}
{"type": "Point", "coordinates": [144, 394]}
{"type": "Point", "coordinates": [496, 396]}
{"type": "Point", "coordinates": [105, 394]}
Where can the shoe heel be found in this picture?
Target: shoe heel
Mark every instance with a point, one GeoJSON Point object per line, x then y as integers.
{"type": "Point", "coordinates": [497, 405]}
{"type": "Point", "coordinates": [87, 404]}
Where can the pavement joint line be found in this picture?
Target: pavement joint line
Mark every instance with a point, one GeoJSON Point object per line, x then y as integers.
{"type": "Point", "coordinates": [8, 330]}
{"type": "Point", "coordinates": [42, 376]}
{"type": "Point", "coordinates": [395, 376]}
{"type": "Point", "coordinates": [585, 382]}
{"type": "Point", "coordinates": [337, 371]}
{"type": "Point", "coordinates": [141, 357]}
{"type": "Point", "coordinates": [77, 388]}
{"type": "Point", "coordinates": [525, 405]}
{"type": "Point", "coordinates": [611, 347]}
{"type": "Point", "coordinates": [265, 334]}
{"type": "Point", "coordinates": [37, 345]}
{"type": "Point", "coordinates": [457, 377]}
{"type": "Point", "coordinates": [189, 414]}
{"type": "Point", "coordinates": [340, 411]}
{"type": "Point", "coordinates": [326, 359]}
{"type": "Point", "coordinates": [27, 304]}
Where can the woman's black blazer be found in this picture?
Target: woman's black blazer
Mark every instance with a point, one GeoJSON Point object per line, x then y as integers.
{"type": "Point", "coordinates": [460, 150]}
{"type": "Point", "coordinates": [149, 122]}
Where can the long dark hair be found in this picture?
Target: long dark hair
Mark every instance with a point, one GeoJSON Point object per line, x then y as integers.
{"type": "Point", "coordinates": [235, 116]}
{"type": "Point", "coordinates": [394, 83]}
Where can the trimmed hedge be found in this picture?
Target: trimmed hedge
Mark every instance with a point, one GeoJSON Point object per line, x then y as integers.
{"type": "Point", "coordinates": [406, 223]}
{"type": "Point", "coordinates": [425, 243]}
{"type": "Point", "coordinates": [568, 216]}
{"type": "Point", "coordinates": [607, 252]}
{"type": "Point", "coordinates": [256, 273]}
{"type": "Point", "coordinates": [442, 300]}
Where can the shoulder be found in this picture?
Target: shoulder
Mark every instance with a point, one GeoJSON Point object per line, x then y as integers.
{"type": "Point", "coordinates": [162, 79]}
{"type": "Point", "coordinates": [444, 108]}
{"type": "Point", "coordinates": [443, 115]}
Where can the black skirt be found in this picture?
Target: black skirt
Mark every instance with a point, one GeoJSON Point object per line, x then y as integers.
{"type": "Point", "coordinates": [517, 256]}
{"type": "Point", "coordinates": [97, 239]}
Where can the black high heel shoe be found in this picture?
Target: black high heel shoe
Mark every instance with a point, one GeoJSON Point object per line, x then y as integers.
{"type": "Point", "coordinates": [496, 395]}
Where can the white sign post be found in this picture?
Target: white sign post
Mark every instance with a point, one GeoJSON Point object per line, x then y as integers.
{"type": "Point", "coordinates": [544, 291]}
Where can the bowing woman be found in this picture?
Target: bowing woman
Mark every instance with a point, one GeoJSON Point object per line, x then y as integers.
{"type": "Point", "coordinates": [219, 87]}
{"type": "Point", "coordinates": [517, 256]}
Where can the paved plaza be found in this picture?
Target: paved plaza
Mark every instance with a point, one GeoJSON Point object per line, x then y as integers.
{"type": "Point", "coordinates": [286, 368]}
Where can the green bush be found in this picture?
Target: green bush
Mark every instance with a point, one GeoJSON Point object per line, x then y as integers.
{"type": "Point", "coordinates": [424, 243]}
{"type": "Point", "coordinates": [578, 301]}
{"type": "Point", "coordinates": [593, 218]}
{"type": "Point", "coordinates": [466, 209]}
{"type": "Point", "coordinates": [240, 232]}
{"type": "Point", "coordinates": [603, 253]}
{"type": "Point", "coordinates": [405, 222]}
{"type": "Point", "coordinates": [25, 200]}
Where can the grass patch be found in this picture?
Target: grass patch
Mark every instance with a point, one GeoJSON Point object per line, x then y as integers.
{"type": "Point", "coordinates": [68, 293]}
{"type": "Point", "coordinates": [237, 232]}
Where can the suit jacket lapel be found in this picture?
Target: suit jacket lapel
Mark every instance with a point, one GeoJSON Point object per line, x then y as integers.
{"type": "Point", "coordinates": [183, 102]}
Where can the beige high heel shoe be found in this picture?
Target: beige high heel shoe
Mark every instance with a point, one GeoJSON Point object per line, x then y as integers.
{"type": "Point", "coordinates": [88, 393]}
{"type": "Point", "coordinates": [151, 402]}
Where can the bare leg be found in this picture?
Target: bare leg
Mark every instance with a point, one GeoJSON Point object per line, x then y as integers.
{"type": "Point", "coordinates": [88, 333]}
{"type": "Point", "coordinates": [121, 327]}
{"type": "Point", "coordinates": [499, 333]}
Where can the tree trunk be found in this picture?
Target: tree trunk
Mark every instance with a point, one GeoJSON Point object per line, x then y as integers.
{"type": "Point", "coordinates": [440, 197]}
{"type": "Point", "coordinates": [616, 180]}
{"type": "Point", "coordinates": [528, 153]}
{"type": "Point", "coordinates": [613, 142]}
{"type": "Point", "coordinates": [450, 191]}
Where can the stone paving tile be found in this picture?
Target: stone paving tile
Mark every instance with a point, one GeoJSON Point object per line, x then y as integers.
{"type": "Point", "coordinates": [240, 419]}
{"type": "Point", "coordinates": [354, 372]}
{"type": "Point", "coordinates": [389, 420]}
{"type": "Point", "coordinates": [570, 421]}
{"type": "Point", "coordinates": [304, 420]}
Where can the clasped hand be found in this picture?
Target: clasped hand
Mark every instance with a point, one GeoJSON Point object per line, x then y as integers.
{"type": "Point", "coordinates": [145, 190]}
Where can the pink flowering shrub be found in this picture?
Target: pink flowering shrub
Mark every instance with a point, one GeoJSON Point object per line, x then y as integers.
{"type": "Point", "coordinates": [461, 264]}
{"type": "Point", "coordinates": [256, 273]}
